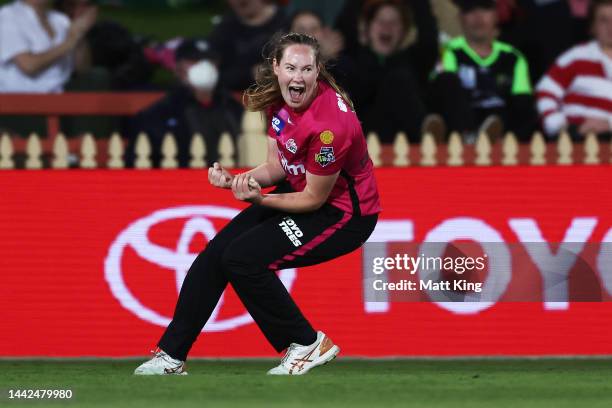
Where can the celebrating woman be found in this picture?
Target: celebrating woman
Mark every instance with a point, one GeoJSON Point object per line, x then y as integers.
{"type": "Point", "coordinates": [325, 205]}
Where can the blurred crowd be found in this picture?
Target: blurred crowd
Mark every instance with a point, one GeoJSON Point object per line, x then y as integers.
{"type": "Point", "coordinates": [409, 65]}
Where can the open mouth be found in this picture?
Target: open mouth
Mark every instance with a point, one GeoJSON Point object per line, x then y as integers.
{"type": "Point", "coordinates": [296, 92]}
{"type": "Point", "coordinates": [385, 39]}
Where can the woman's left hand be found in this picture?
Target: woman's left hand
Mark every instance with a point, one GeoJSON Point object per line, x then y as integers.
{"type": "Point", "coordinates": [246, 188]}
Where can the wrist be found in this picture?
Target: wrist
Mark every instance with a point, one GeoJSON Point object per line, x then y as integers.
{"type": "Point", "coordinates": [259, 200]}
{"type": "Point", "coordinates": [69, 43]}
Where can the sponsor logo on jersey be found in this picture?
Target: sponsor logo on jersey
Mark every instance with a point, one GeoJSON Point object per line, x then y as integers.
{"type": "Point", "coordinates": [325, 156]}
{"type": "Point", "coordinates": [291, 146]}
{"type": "Point", "coordinates": [293, 169]}
{"type": "Point", "coordinates": [467, 75]}
{"type": "Point", "coordinates": [326, 137]}
{"type": "Point", "coordinates": [277, 124]}
{"type": "Point", "coordinates": [291, 229]}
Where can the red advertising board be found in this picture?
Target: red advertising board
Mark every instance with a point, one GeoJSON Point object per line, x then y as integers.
{"type": "Point", "coordinates": [91, 262]}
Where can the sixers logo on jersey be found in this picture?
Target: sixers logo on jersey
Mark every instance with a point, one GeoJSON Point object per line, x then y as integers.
{"type": "Point", "coordinates": [277, 124]}
{"type": "Point", "coordinates": [291, 146]}
{"type": "Point", "coordinates": [325, 156]}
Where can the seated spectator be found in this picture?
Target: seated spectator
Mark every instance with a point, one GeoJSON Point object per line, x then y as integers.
{"type": "Point", "coordinates": [196, 105]}
{"type": "Point", "coordinates": [36, 45]}
{"type": "Point", "coordinates": [240, 37]}
{"type": "Point", "coordinates": [576, 92]}
{"type": "Point", "coordinates": [386, 90]}
{"type": "Point", "coordinates": [483, 84]}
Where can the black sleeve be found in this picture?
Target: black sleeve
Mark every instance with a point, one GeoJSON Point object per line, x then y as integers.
{"type": "Point", "coordinates": [219, 38]}
{"type": "Point", "coordinates": [233, 75]}
{"type": "Point", "coordinates": [237, 77]}
{"type": "Point", "coordinates": [241, 48]}
{"type": "Point", "coordinates": [425, 51]}
{"type": "Point", "coordinates": [347, 22]}
{"type": "Point", "coordinates": [232, 115]}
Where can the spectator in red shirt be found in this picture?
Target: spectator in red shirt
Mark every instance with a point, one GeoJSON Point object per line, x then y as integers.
{"type": "Point", "coordinates": [576, 92]}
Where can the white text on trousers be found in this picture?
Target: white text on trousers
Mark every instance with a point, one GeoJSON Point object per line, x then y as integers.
{"type": "Point", "coordinates": [292, 231]}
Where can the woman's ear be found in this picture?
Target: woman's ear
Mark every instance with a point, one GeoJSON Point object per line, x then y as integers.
{"type": "Point", "coordinates": [275, 67]}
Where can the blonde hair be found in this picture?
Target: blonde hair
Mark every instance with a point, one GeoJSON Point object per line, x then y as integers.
{"type": "Point", "coordinates": [266, 93]}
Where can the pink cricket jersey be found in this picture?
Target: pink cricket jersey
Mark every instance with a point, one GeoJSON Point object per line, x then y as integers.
{"type": "Point", "coordinates": [325, 139]}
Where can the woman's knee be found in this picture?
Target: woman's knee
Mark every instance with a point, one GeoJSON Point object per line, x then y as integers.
{"type": "Point", "coordinates": [237, 260]}
{"type": "Point", "coordinates": [210, 258]}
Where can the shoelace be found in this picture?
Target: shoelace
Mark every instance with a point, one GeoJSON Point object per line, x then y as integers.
{"type": "Point", "coordinates": [159, 353]}
{"type": "Point", "coordinates": [292, 347]}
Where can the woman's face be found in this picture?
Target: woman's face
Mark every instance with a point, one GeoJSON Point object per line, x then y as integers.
{"type": "Point", "coordinates": [297, 73]}
{"type": "Point", "coordinates": [602, 26]}
{"type": "Point", "coordinates": [480, 24]}
{"type": "Point", "coordinates": [386, 31]}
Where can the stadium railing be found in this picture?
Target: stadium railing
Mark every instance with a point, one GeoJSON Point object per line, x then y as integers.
{"type": "Point", "coordinates": [250, 147]}
{"type": "Point", "coordinates": [74, 104]}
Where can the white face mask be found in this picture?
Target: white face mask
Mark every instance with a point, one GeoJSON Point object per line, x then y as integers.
{"type": "Point", "coordinates": [203, 75]}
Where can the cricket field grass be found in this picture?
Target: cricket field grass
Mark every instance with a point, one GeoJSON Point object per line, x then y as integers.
{"type": "Point", "coordinates": [342, 383]}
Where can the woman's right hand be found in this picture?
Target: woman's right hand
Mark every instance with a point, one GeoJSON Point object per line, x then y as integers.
{"type": "Point", "coordinates": [219, 177]}
{"type": "Point", "coordinates": [82, 23]}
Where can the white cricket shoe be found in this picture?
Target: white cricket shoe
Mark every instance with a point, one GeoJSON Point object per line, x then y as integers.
{"type": "Point", "coordinates": [301, 359]}
{"type": "Point", "coordinates": [161, 364]}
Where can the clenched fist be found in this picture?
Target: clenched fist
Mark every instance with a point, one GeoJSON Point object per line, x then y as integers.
{"type": "Point", "coordinates": [219, 177]}
{"type": "Point", "coordinates": [246, 188]}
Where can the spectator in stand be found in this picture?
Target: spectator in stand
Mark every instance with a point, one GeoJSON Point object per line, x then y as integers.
{"type": "Point", "coordinates": [240, 37]}
{"type": "Point", "coordinates": [542, 30]}
{"type": "Point", "coordinates": [576, 92]}
{"type": "Point", "coordinates": [310, 23]}
{"type": "Point", "coordinates": [353, 24]}
{"type": "Point", "coordinates": [111, 57]}
{"type": "Point", "coordinates": [196, 105]}
{"type": "Point", "coordinates": [326, 10]}
{"type": "Point", "coordinates": [331, 42]}
{"type": "Point", "coordinates": [483, 84]}
{"type": "Point", "coordinates": [387, 94]}
{"type": "Point", "coordinates": [37, 44]}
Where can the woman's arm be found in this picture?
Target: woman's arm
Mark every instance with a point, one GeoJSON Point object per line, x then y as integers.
{"type": "Point", "coordinates": [270, 172]}
{"type": "Point", "coordinates": [425, 51]}
{"type": "Point", "coordinates": [33, 63]}
{"type": "Point", "coordinates": [266, 174]}
{"type": "Point", "coordinates": [313, 196]}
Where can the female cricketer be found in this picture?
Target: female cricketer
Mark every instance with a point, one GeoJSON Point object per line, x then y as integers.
{"type": "Point", "coordinates": [325, 205]}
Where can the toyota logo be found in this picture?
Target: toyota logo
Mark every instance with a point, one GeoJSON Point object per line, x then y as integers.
{"type": "Point", "coordinates": [178, 259]}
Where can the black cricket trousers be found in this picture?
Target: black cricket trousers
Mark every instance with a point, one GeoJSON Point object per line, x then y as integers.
{"type": "Point", "coordinates": [247, 253]}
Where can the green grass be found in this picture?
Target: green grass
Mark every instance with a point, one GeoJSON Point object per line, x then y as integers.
{"type": "Point", "coordinates": [344, 383]}
{"type": "Point", "coordinates": [163, 23]}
